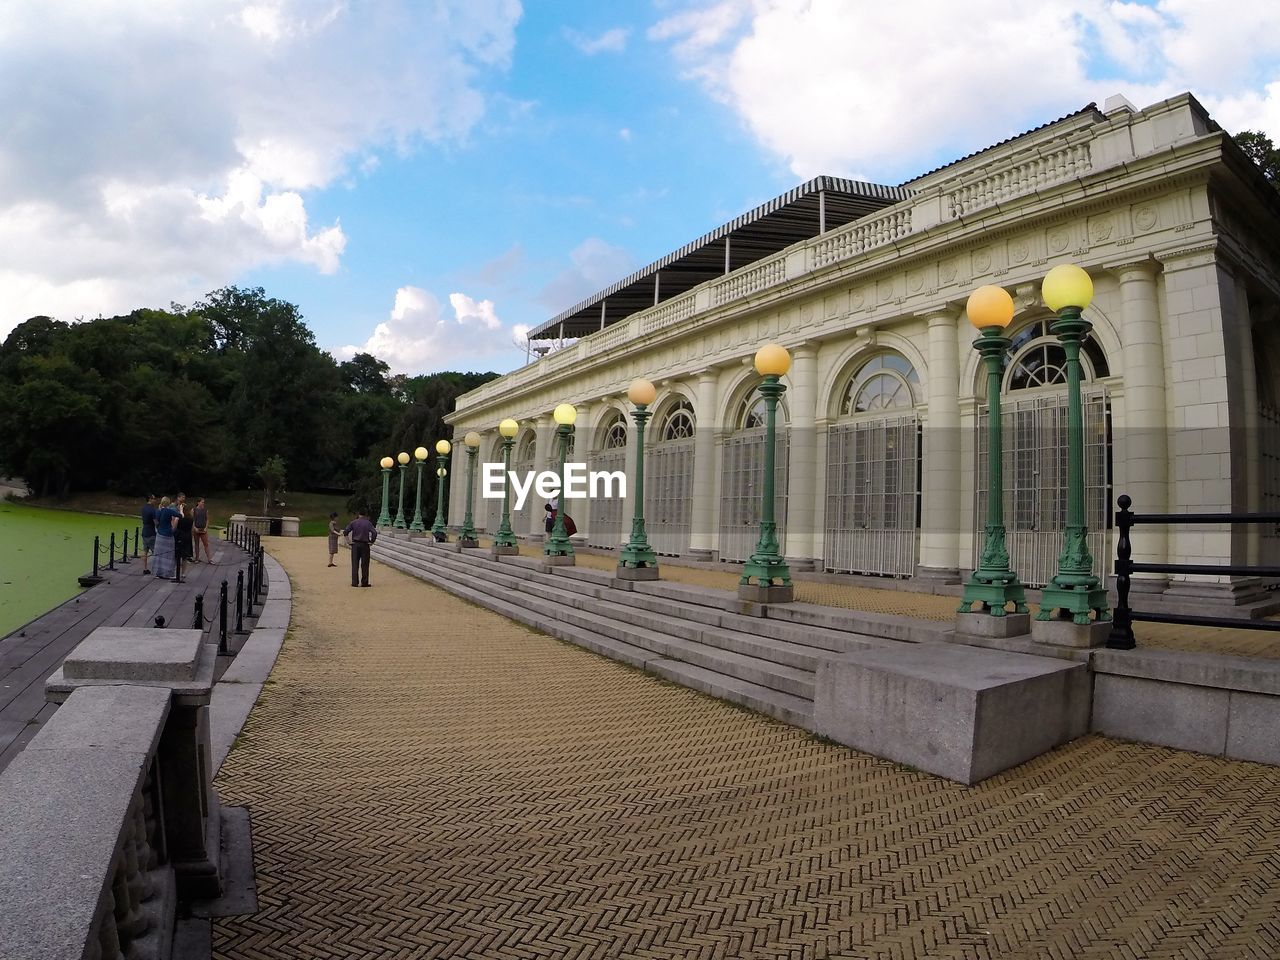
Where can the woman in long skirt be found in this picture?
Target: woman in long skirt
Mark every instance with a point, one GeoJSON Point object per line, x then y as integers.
{"type": "Point", "coordinates": [164, 564]}
{"type": "Point", "coordinates": [333, 538]}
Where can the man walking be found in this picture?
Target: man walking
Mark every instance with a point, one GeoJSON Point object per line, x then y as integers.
{"type": "Point", "coordinates": [362, 533]}
{"type": "Point", "coordinates": [148, 532]}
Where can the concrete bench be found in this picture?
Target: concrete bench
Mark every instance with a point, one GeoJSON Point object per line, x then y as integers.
{"type": "Point", "coordinates": [963, 713]}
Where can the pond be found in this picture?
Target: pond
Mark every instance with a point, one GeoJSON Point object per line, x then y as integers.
{"type": "Point", "coordinates": [42, 552]}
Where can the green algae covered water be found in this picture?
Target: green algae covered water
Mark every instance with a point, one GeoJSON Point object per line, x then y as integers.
{"type": "Point", "coordinates": [42, 552]}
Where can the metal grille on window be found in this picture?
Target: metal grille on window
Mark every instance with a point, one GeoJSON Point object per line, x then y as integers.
{"type": "Point", "coordinates": [668, 481]}
{"type": "Point", "coordinates": [873, 469]}
{"type": "Point", "coordinates": [523, 463]}
{"type": "Point", "coordinates": [872, 493]}
{"type": "Point", "coordinates": [1035, 472]}
{"type": "Point", "coordinates": [607, 520]}
{"type": "Point", "coordinates": [742, 483]}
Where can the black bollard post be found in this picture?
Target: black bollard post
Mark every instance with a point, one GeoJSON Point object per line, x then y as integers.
{"type": "Point", "coordinates": [111, 552]}
{"type": "Point", "coordinates": [197, 617]}
{"type": "Point", "coordinates": [1121, 636]}
{"type": "Point", "coordinates": [137, 536]}
{"type": "Point", "coordinates": [239, 602]}
{"type": "Point", "coordinates": [97, 546]}
{"type": "Point", "coordinates": [250, 595]}
{"type": "Point", "coordinates": [222, 618]}
{"type": "Point", "coordinates": [262, 569]}
{"type": "Point", "coordinates": [124, 549]}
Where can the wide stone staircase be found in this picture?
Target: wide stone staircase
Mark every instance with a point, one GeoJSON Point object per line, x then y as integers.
{"type": "Point", "coordinates": [763, 658]}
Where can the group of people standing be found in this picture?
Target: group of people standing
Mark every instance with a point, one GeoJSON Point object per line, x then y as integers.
{"type": "Point", "coordinates": [172, 535]}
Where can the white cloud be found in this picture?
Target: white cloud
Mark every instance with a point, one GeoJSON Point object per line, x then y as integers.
{"type": "Point", "coordinates": [844, 88]}
{"type": "Point", "coordinates": [155, 151]}
{"type": "Point", "coordinates": [611, 41]}
{"type": "Point", "coordinates": [421, 336]}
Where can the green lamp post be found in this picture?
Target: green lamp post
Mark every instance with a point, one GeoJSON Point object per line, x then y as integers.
{"type": "Point", "coordinates": [403, 458]}
{"type": "Point", "coordinates": [1074, 590]}
{"type": "Point", "coordinates": [557, 548]}
{"type": "Point", "coordinates": [993, 584]}
{"type": "Point", "coordinates": [384, 518]}
{"type": "Point", "coordinates": [504, 542]}
{"type": "Point", "coordinates": [419, 456]}
{"type": "Point", "coordinates": [637, 561]}
{"type": "Point", "coordinates": [767, 567]}
{"type": "Point", "coordinates": [468, 536]}
{"type": "Point", "coordinates": [438, 529]}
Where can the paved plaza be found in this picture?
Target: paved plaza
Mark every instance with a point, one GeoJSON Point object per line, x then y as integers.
{"type": "Point", "coordinates": [428, 779]}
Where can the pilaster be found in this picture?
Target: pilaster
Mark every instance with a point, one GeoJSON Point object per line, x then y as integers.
{"type": "Point", "coordinates": [702, 539]}
{"type": "Point", "coordinates": [940, 534]}
{"type": "Point", "coordinates": [802, 515]}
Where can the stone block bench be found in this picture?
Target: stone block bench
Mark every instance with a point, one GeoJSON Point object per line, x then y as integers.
{"type": "Point", "coordinates": [963, 713]}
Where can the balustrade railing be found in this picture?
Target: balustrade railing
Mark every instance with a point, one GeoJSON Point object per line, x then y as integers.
{"type": "Point", "coordinates": [746, 282]}
{"type": "Point", "coordinates": [1065, 163]}
{"type": "Point", "coordinates": [859, 237]}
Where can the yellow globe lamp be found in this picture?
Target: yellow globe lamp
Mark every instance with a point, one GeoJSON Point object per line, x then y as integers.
{"type": "Point", "coordinates": [387, 463]}
{"type": "Point", "coordinates": [772, 360]}
{"type": "Point", "coordinates": [472, 439]}
{"type": "Point", "coordinates": [443, 447]}
{"type": "Point", "coordinates": [441, 472]}
{"type": "Point", "coordinates": [403, 458]}
{"type": "Point", "coordinates": [421, 453]}
{"type": "Point", "coordinates": [565, 414]}
{"type": "Point", "coordinates": [1067, 285]}
{"type": "Point", "coordinates": [508, 428]}
{"type": "Point", "coordinates": [990, 306]}
{"type": "Point", "coordinates": [642, 392]}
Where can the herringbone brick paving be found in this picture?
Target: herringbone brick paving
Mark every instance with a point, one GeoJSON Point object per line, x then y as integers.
{"type": "Point", "coordinates": [428, 779]}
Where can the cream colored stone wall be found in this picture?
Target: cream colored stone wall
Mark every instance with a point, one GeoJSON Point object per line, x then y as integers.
{"type": "Point", "coordinates": [1128, 197]}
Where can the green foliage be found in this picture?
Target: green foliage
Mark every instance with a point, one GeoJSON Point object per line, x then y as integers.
{"type": "Point", "coordinates": [1259, 148]}
{"type": "Point", "coordinates": [202, 397]}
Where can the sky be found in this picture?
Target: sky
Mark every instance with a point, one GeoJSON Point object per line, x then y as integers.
{"type": "Point", "coordinates": [428, 179]}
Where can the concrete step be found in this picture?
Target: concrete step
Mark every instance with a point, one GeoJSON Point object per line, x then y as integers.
{"type": "Point", "coordinates": [766, 663]}
{"type": "Point", "coordinates": [838, 634]}
{"type": "Point", "coordinates": [707, 676]}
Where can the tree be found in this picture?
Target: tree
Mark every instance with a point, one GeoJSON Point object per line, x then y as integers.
{"type": "Point", "coordinates": [272, 475]}
{"type": "Point", "coordinates": [1258, 147]}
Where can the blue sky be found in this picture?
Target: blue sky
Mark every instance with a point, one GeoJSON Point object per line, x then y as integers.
{"type": "Point", "coordinates": [427, 180]}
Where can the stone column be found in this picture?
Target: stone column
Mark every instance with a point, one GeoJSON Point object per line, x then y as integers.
{"type": "Point", "coordinates": [802, 470]}
{"type": "Point", "coordinates": [583, 452]}
{"type": "Point", "coordinates": [1143, 439]}
{"type": "Point", "coordinates": [940, 513]}
{"type": "Point", "coordinates": [1204, 339]}
{"type": "Point", "coordinates": [702, 534]}
{"type": "Point", "coordinates": [1249, 422]}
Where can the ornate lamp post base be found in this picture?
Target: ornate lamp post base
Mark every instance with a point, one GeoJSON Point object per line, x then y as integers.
{"type": "Point", "coordinates": [637, 561]}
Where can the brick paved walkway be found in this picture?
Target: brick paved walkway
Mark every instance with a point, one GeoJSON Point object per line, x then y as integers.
{"type": "Point", "coordinates": [427, 779]}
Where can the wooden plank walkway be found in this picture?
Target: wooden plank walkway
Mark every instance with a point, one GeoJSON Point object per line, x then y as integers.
{"type": "Point", "coordinates": [126, 597]}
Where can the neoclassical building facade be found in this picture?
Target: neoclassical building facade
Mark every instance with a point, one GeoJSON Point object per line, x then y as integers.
{"type": "Point", "coordinates": [884, 416]}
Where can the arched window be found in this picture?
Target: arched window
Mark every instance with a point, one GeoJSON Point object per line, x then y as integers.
{"type": "Point", "coordinates": [615, 435]}
{"type": "Point", "coordinates": [752, 413]}
{"type": "Point", "coordinates": [885, 382]}
{"type": "Point", "coordinates": [678, 423]}
{"type": "Point", "coordinates": [1039, 360]}
{"type": "Point", "coordinates": [524, 452]}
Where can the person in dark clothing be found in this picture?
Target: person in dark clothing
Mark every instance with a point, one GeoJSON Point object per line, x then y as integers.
{"type": "Point", "coordinates": [363, 534]}
{"type": "Point", "coordinates": [182, 534]}
{"type": "Point", "coordinates": [148, 532]}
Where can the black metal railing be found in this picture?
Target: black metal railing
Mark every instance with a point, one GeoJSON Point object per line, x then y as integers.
{"type": "Point", "coordinates": [1121, 637]}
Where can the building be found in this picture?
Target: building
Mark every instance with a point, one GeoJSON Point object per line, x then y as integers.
{"type": "Point", "coordinates": [885, 406]}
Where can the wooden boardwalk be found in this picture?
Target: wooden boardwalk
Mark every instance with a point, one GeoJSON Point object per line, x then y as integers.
{"type": "Point", "coordinates": [126, 597]}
